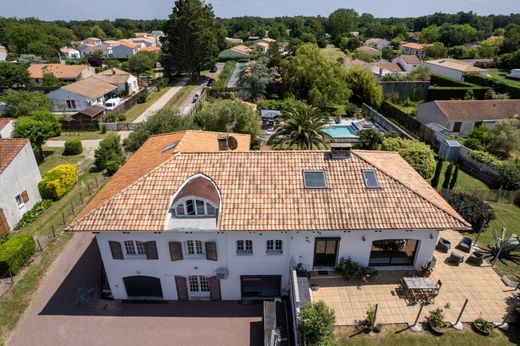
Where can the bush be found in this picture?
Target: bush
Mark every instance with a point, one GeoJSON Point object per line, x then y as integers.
{"type": "Point", "coordinates": [486, 158]}
{"type": "Point", "coordinates": [112, 167]}
{"type": "Point", "coordinates": [142, 97]}
{"type": "Point", "coordinates": [457, 93]}
{"type": "Point", "coordinates": [497, 85]}
{"type": "Point", "coordinates": [33, 214]}
{"type": "Point", "coordinates": [15, 252]}
{"type": "Point", "coordinates": [73, 147]}
{"type": "Point", "coordinates": [354, 271]}
{"type": "Point", "coordinates": [417, 154]}
{"type": "Point", "coordinates": [58, 181]}
{"type": "Point", "coordinates": [472, 209]}
{"type": "Point", "coordinates": [317, 323]}
{"type": "Point", "coordinates": [110, 154]}
{"type": "Point", "coordinates": [103, 129]}
{"type": "Point", "coordinates": [371, 139]}
{"type": "Point", "coordinates": [510, 175]}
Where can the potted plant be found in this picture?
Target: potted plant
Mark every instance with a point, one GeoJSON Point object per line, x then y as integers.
{"type": "Point", "coordinates": [436, 320]}
{"type": "Point", "coordinates": [368, 325]}
{"type": "Point", "coordinates": [482, 326]}
{"type": "Point", "coordinates": [427, 268]}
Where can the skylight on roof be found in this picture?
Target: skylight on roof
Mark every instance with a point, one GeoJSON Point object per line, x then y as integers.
{"type": "Point", "coordinates": [169, 147]}
{"type": "Point", "coordinates": [314, 180]}
{"type": "Point", "coordinates": [369, 175]}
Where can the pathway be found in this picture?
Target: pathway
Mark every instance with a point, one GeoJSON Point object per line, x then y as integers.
{"type": "Point", "coordinates": [161, 102]}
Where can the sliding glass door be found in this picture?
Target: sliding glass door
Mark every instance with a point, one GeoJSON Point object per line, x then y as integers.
{"type": "Point", "coordinates": [393, 252]}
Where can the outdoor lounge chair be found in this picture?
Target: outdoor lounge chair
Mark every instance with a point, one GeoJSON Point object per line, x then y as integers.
{"type": "Point", "coordinates": [444, 245]}
{"type": "Point", "coordinates": [476, 258]}
{"type": "Point", "coordinates": [455, 258]}
{"type": "Point", "coordinates": [465, 244]}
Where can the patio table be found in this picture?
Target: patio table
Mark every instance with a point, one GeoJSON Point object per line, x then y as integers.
{"type": "Point", "coordinates": [420, 283]}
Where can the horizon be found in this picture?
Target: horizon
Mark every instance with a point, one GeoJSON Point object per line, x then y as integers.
{"type": "Point", "coordinates": [226, 9]}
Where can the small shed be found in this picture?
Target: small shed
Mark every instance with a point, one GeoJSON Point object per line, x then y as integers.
{"type": "Point", "coordinates": [450, 150]}
{"type": "Point", "coordinates": [94, 112]}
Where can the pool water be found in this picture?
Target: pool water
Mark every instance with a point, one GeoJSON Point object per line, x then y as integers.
{"type": "Point", "coordinates": [341, 131]}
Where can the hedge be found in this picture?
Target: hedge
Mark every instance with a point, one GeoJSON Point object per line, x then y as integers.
{"type": "Point", "coordinates": [33, 214]}
{"type": "Point", "coordinates": [448, 93]}
{"type": "Point", "coordinates": [73, 147]}
{"type": "Point", "coordinates": [58, 181]}
{"type": "Point", "coordinates": [15, 252]}
{"type": "Point", "coordinates": [436, 80]}
{"type": "Point", "coordinates": [497, 85]}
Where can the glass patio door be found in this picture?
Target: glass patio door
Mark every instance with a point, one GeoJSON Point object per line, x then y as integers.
{"type": "Point", "coordinates": [325, 252]}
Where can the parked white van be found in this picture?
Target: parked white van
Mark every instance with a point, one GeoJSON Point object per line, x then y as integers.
{"type": "Point", "coordinates": [110, 104]}
{"type": "Point", "coordinates": [515, 73]}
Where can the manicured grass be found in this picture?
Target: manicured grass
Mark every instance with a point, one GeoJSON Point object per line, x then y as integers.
{"type": "Point", "coordinates": [54, 157]}
{"type": "Point", "coordinates": [79, 134]}
{"type": "Point", "coordinates": [464, 181]}
{"type": "Point", "coordinates": [139, 108]}
{"type": "Point", "coordinates": [501, 75]}
{"type": "Point", "coordinates": [399, 336]}
{"type": "Point", "coordinates": [180, 97]}
{"type": "Point", "coordinates": [333, 53]}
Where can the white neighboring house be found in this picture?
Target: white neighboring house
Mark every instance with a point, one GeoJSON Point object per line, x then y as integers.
{"type": "Point", "coordinates": [453, 68]}
{"type": "Point", "coordinates": [378, 43]}
{"type": "Point", "coordinates": [3, 53]}
{"type": "Point", "coordinates": [19, 178]}
{"type": "Point", "coordinates": [88, 50]}
{"type": "Point", "coordinates": [94, 41]}
{"type": "Point", "coordinates": [407, 62]}
{"type": "Point", "coordinates": [80, 95]}
{"type": "Point", "coordinates": [67, 53]}
{"type": "Point", "coordinates": [462, 116]}
{"type": "Point", "coordinates": [412, 48]}
{"type": "Point", "coordinates": [233, 40]}
{"type": "Point", "coordinates": [181, 224]}
{"type": "Point", "coordinates": [125, 50]}
{"type": "Point", "coordinates": [6, 127]}
{"type": "Point", "coordinates": [119, 78]}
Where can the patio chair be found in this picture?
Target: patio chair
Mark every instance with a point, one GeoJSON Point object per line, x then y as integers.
{"type": "Point", "coordinates": [476, 258]}
{"type": "Point", "coordinates": [465, 244]}
{"type": "Point", "coordinates": [444, 245]}
{"type": "Point", "coordinates": [433, 262]}
{"type": "Point", "coordinates": [455, 258]}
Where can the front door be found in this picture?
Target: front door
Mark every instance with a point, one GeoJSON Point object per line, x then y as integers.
{"type": "Point", "coordinates": [198, 287]}
{"type": "Point", "coordinates": [325, 252]}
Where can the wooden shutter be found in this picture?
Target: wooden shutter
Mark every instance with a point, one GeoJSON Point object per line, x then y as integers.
{"type": "Point", "coordinates": [182, 289]}
{"type": "Point", "coordinates": [214, 288]}
{"type": "Point", "coordinates": [4, 225]}
{"type": "Point", "coordinates": [116, 249]}
{"type": "Point", "coordinates": [175, 250]}
{"type": "Point", "coordinates": [151, 250]}
{"type": "Point", "coordinates": [25, 197]}
{"type": "Point", "coordinates": [211, 251]}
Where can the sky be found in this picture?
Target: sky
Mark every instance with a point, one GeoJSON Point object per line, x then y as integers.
{"type": "Point", "coordinates": [149, 9]}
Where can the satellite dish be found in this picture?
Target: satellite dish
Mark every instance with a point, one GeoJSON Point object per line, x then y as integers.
{"type": "Point", "coordinates": [232, 143]}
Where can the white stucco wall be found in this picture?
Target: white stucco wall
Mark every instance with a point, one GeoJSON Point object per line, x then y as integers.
{"type": "Point", "coordinates": [122, 52]}
{"type": "Point", "coordinates": [297, 247]}
{"type": "Point", "coordinates": [429, 113]}
{"type": "Point", "coordinates": [7, 130]}
{"type": "Point", "coordinates": [59, 97]}
{"type": "Point", "coordinates": [3, 56]}
{"type": "Point", "coordinates": [445, 72]}
{"type": "Point", "coordinates": [21, 175]}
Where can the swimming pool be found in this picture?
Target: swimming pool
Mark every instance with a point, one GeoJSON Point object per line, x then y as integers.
{"type": "Point", "coordinates": [342, 131]}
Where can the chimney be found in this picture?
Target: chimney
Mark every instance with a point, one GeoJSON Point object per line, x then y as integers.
{"type": "Point", "coordinates": [222, 142]}
{"type": "Point", "coordinates": [113, 71]}
{"type": "Point", "coordinates": [340, 151]}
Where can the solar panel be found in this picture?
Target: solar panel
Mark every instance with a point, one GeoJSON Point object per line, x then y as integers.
{"type": "Point", "coordinates": [370, 179]}
{"type": "Point", "coordinates": [314, 180]}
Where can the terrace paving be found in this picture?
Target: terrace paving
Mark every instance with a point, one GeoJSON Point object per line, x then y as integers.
{"type": "Point", "coordinates": [486, 293]}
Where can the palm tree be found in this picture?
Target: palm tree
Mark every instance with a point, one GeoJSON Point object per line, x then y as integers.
{"type": "Point", "coordinates": [301, 128]}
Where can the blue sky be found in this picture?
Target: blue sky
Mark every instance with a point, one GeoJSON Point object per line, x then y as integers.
{"type": "Point", "coordinates": [147, 9]}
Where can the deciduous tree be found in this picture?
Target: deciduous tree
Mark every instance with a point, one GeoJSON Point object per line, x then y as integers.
{"type": "Point", "coordinates": [13, 75]}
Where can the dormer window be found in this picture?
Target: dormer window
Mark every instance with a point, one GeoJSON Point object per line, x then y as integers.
{"type": "Point", "coordinates": [194, 208]}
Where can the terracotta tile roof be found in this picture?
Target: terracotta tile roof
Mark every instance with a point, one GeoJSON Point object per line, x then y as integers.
{"type": "Point", "coordinates": [130, 45]}
{"type": "Point", "coordinates": [152, 154]}
{"type": "Point", "coordinates": [262, 44]}
{"type": "Point", "coordinates": [150, 49]}
{"type": "Point", "coordinates": [455, 64]}
{"type": "Point", "coordinates": [479, 109]}
{"type": "Point", "coordinates": [268, 39]}
{"type": "Point", "coordinates": [390, 66]}
{"type": "Point", "coordinates": [410, 59]}
{"type": "Point", "coordinates": [90, 87]}
{"type": "Point", "coordinates": [368, 49]}
{"type": "Point", "coordinates": [373, 40]}
{"type": "Point", "coordinates": [242, 49]}
{"type": "Point", "coordinates": [3, 49]}
{"type": "Point", "coordinates": [9, 148]}
{"type": "Point", "coordinates": [263, 191]}
{"type": "Point", "coordinates": [413, 45]}
{"type": "Point", "coordinates": [113, 76]}
{"type": "Point", "coordinates": [4, 121]}
{"type": "Point", "coordinates": [58, 70]}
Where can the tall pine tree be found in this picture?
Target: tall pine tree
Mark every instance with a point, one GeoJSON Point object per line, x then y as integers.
{"type": "Point", "coordinates": [190, 43]}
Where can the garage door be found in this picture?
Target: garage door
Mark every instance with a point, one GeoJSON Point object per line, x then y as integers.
{"type": "Point", "coordinates": [143, 286]}
{"type": "Point", "coordinates": [261, 287]}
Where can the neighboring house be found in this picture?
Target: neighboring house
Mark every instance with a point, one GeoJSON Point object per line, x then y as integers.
{"type": "Point", "coordinates": [453, 68]}
{"type": "Point", "coordinates": [119, 78]}
{"type": "Point", "coordinates": [3, 53]}
{"type": "Point", "coordinates": [229, 225]}
{"type": "Point", "coordinates": [94, 41]}
{"type": "Point", "coordinates": [19, 178]}
{"type": "Point", "coordinates": [369, 50]}
{"type": "Point", "coordinates": [151, 49]}
{"type": "Point", "coordinates": [413, 48]}
{"type": "Point", "coordinates": [65, 73]}
{"type": "Point", "coordinates": [105, 49]}
{"type": "Point", "coordinates": [125, 50]}
{"type": "Point", "coordinates": [145, 41]}
{"type": "Point", "coordinates": [236, 41]}
{"type": "Point", "coordinates": [407, 62]}
{"type": "Point", "coordinates": [240, 51]}
{"type": "Point", "coordinates": [80, 95]}
{"type": "Point", "coordinates": [378, 43]}
{"type": "Point", "coordinates": [414, 36]}
{"type": "Point", "coordinates": [92, 113]}
{"type": "Point", "coordinates": [381, 69]}
{"type": "Point", "coordinates": [6, 127]}
{"type": "Point", "coordinates": [260, 47]}
{"type": "Point", "coordinates": [462, 116]}
{"type": "Point", "coordinates": [67, 53]}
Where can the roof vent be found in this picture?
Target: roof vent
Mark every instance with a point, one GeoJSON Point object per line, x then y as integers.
{"type": "Point", "coordinates": [340, 151]}
{"type": "Point", "coordinates": [222, 142]}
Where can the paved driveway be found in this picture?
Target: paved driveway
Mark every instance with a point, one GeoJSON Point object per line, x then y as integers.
{"type": "Point", "coordinates": [66, 310]}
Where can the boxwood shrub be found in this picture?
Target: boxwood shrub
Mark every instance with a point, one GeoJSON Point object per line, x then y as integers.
{"type": "Point", "coordinates": [33, 214]}
{"type": "Point", "coordinates": [58, 181]}
{"type": "Point", "coordinates": [15, 252]}
{"type": "Point", "coordinates": [73, 147]}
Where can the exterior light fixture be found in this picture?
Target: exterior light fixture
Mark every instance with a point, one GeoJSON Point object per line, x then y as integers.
{"type": "Point", "coordinates": [363, 238]}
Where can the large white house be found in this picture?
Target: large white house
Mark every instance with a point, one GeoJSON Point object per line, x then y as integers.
{"type": "Point", "coordinates": [80, 95]}
{"type": "Point", "coordinates": [19, 178]}
{"type": "Point", "coordinates": [195, 218]}
{"type": "Point", "coordinates": [453, 68]}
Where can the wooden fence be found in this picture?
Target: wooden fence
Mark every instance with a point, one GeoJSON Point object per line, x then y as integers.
{"type": "Point", "coordinates": [119, 126]}
{"type": "Point", "coordinates": [128, 103]}
{"type": "Point", "coordinates": [79, 125]}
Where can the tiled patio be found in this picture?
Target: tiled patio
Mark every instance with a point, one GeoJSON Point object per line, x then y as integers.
{"type": "Point", "coordinates": [483, 288]}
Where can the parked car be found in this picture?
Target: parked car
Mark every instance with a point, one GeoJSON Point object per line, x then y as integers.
{"type": "Point", "coordinates": [515, 73]}
{"type": "Point", "coordinates": [211, 81]}
{"type": "Point", "coordinates": [110, 104]}
{"type": "Point", "coordinates": [213, 69]}
{"type": "Point", "coordinates": [195, 98]}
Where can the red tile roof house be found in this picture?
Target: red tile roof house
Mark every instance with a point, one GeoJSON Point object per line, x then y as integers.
{"type": "Point", "coordinates": [462, 116]}
{"type": "Point", "coordinates": [19, 178]}
{"type": "Point", "coordinates": [6, 127]}
{"type": "Point", "coordinates": [190, 218]}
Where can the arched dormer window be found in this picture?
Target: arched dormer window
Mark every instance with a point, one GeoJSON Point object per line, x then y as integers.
{"type": "Point", "coordinates": [194, 207]}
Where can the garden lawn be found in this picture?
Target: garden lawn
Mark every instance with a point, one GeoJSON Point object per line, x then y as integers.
{"type": "Point", "coordinates": [54, 157]}
{"type": "Point", "coordinates": [464, 181]}
{"type": "Point", "coordinates": [398, 336]}
{"type": "Point", "coordinates": [79, 134]}
{"type": "Point", "coordinates": [501, 75]}
{"type": "Point", "coordinates": [333, 53]}
{"type": "Point", "coordinates": [139, 108]}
